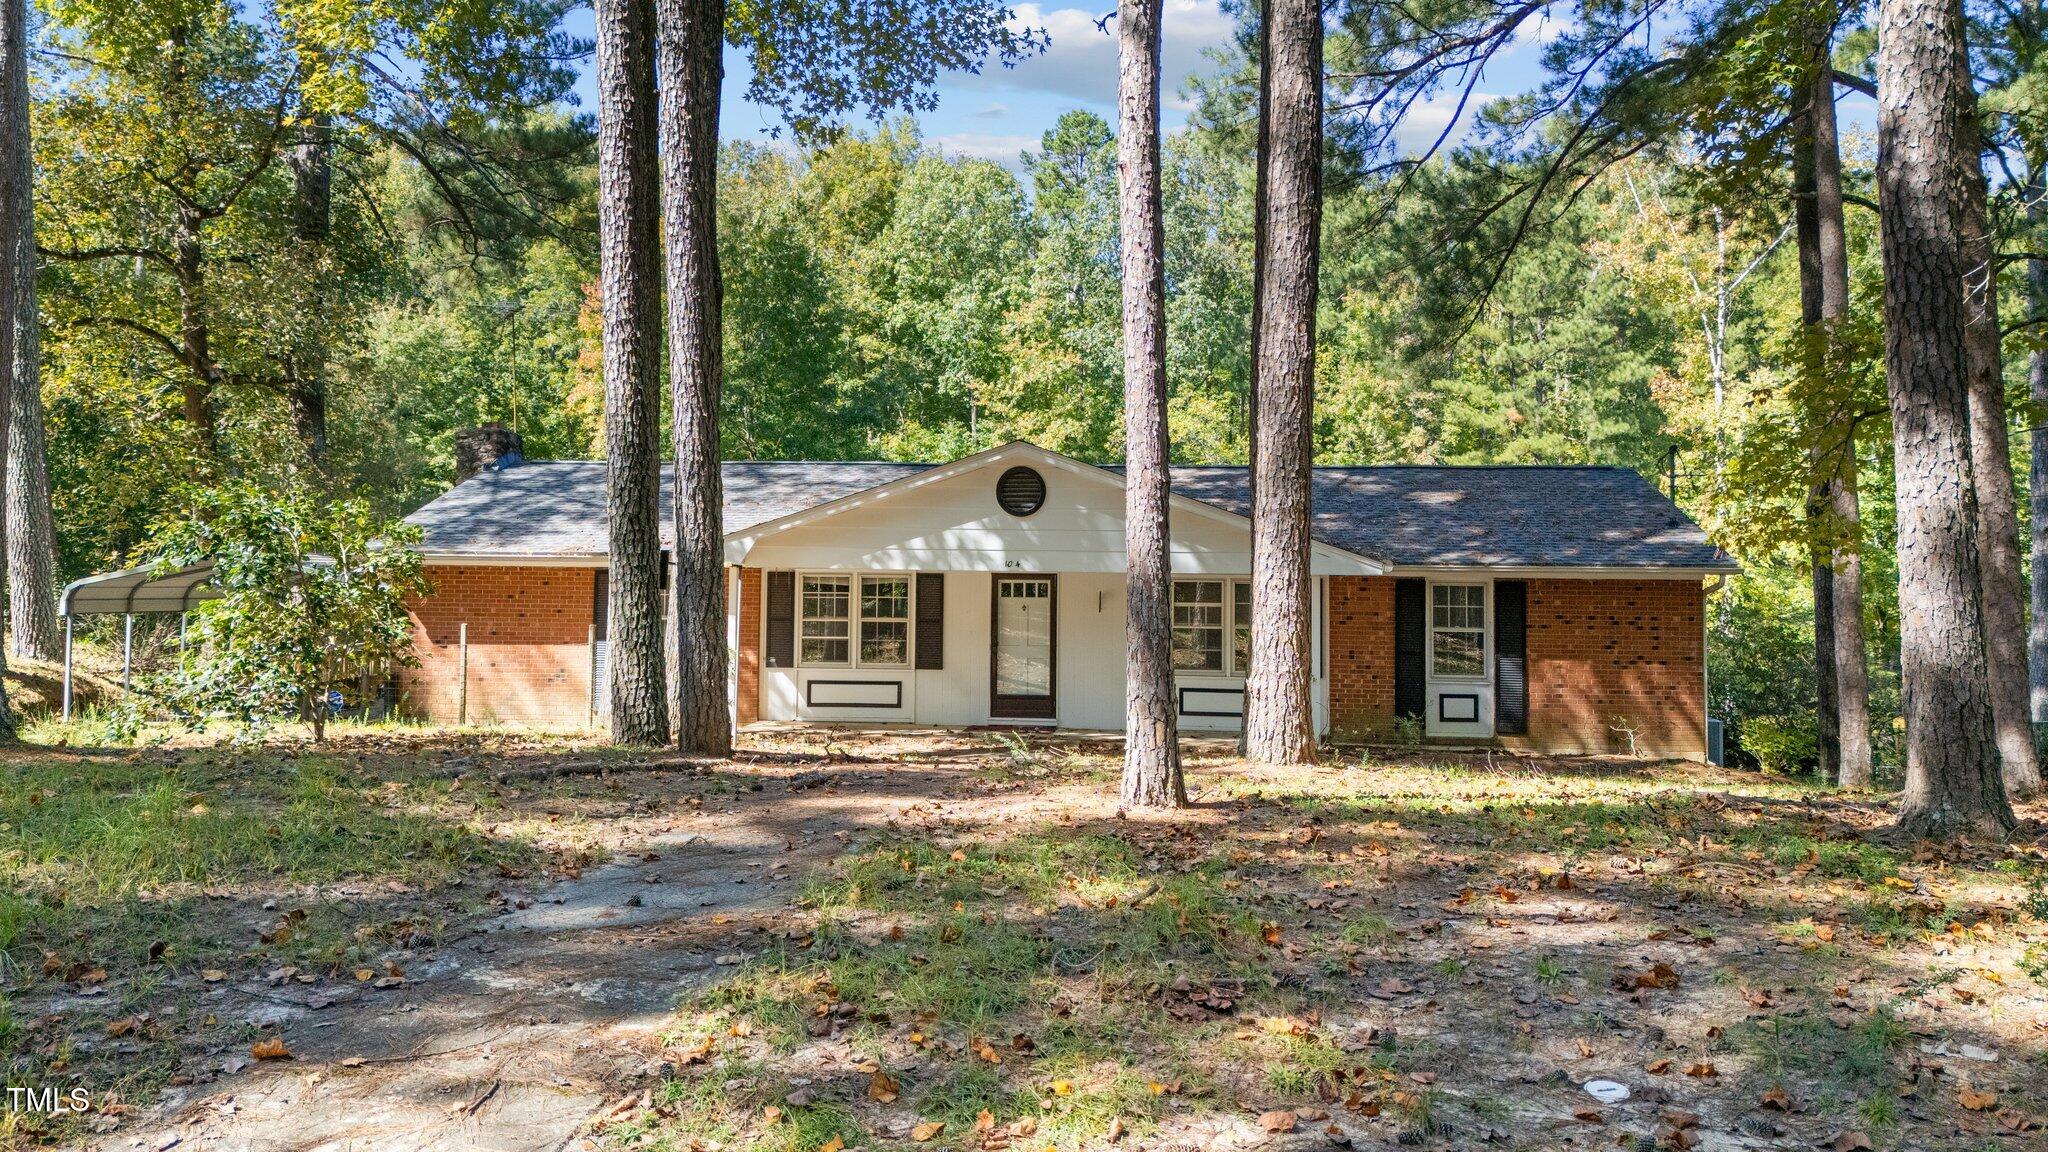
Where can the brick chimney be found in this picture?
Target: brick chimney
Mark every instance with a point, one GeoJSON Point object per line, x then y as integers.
{"type": "Point", "coordinates": [490, 448]}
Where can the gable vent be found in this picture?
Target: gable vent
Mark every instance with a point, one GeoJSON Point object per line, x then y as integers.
{"type": "Point", "coordinates": [1021, 491]}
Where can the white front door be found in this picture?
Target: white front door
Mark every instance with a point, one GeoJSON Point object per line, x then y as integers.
{"type": "Point", "coordinates": [1022, 675]}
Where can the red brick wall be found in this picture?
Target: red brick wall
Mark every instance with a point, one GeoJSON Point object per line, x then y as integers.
{"type": "Point", "coordinates": [1602, 649]}
{"type": "Point", "coordinates": [529, 645]}
{"type": "Point", "coordinates": [748, 706]}
{"type": "Point", "coordinates": [1598, 649]}
{"type": "Point", "coordinates": [1361, 653]}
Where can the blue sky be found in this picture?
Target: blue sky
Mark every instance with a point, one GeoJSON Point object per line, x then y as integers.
{"type": "Point", "coordinates": [1002, 112]}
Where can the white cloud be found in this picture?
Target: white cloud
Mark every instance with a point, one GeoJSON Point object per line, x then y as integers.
{"type": "Point", "coordinates": [993, 112]}
{"type": "Point", "coordinates": [999, 147]}
{"type": "Point", "coordinates": [1427, 119]}
{"type": "Point", "coordinates": [1079, 62]}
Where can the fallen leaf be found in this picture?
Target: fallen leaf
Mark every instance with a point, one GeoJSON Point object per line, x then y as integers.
{"type": "Point", "coordinates": [984, 1121]}
{"type": "Point", "coordinates": [271, 1049]}
{"type": "Point", "coordinates": [1277, 1121]}
{"type": "Point", "coordinates": [833, 1145]}
{"type": "Point", "coordinates": [771, 1115]}
{"type": "Point", "coordinates": [1975, 1100]}
{"type": "Point", "coordinates": [1851, 1142]}
{"type": "Point", "coordinates": [1116, 1130]}
{"type": "Point", "coordinates": [1703, 1068]}
{"type": "Point", "coordinates": [1657, 1067]}
{"type": "Point", "coordinates": [1063, 1087]}
{"type": "Point", "coordinates": [1776, 1100]}
{"type": "Point", "coordinates": [883, 1088]}
{"type": "Point", "coordinates": [928, 1131]}
{"type": "Point", "coordinates": [124, 1025]}
{"type": "Point", "coordinates": [1588, 1116]}
{"type": "Point", "coordinates": [213, 975]}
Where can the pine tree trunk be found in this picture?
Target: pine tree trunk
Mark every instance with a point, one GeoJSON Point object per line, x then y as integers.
{"type": "Point", "coordinates": [1259, 270]}
{"type": "Point", "coordinates": [1152, 773]}
{"type": "Point", "coordinates": [691, 66]}
{"type": "Point", "coordinates": [1998, 522]}
{"type": "Point", "coordinates": [629, 254]}
{"type": "Point", "coordinates": [312, 167]}
{"type": "Point", "coordinates": [17, 249]}
{"type": "Point", "coordinates": [1845, 513]}
{"type": "Point", "coordinates": [1813, 365]}
{"type": "Point", "coordinates": [1279, 714]}
{"type": "Point", "coordinates": [2037, 450]}
{"type": "Point", "coordinates": [1953, 785]}
{"type": "Point", "coordinates": [31, 539]}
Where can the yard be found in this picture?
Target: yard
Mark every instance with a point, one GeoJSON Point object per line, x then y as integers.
{"type": "Point", "coordinates": [873, 940]}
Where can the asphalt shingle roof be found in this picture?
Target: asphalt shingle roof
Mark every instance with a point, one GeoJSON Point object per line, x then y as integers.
{"type": "Point", "coordinates": [1509, 516]}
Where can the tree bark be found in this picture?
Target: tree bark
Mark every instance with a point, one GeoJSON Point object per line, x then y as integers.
{"type": "Point", "coordinates": [311, 161]}
{"type": "Point", "coordinates": [1251, 407]}
{"type": "Point", "coordinates": [2037, 448]}
{"type": "Point", "coordinates": [17, 247]}
{"type": "Point", "coordinates": [31, 539]}
{"type": "Point", "coordinates": [1998, 521]}
{"type": "Point", "coordinates": [1813, 364]}
{"type": "Point", "coordinates": [691, 66]}
{"type": "Point", "coordinates": [1279, 718]}
{"type": "Point", "coordinates": [629, 253]}
{"type": "Point", "coordinates": [1838, 487]}
{"type": "Point", "coordinates": [1152, 771]}
{"type": "Point", "coordinates": [1953, 785]}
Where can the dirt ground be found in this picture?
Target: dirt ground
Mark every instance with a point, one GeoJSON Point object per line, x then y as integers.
{"type": "Point", "coordinates": [891, 939]}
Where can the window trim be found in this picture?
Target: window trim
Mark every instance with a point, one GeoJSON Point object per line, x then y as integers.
{"type": "Point", "coordinates": [854, 618]}
{"type": "Point", "coordinates": [1229, 626]}
{"type": "Point", "coordinates": [1485, 633]}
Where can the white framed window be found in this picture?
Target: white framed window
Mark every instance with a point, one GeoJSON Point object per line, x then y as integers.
{"type": "Point", "coordinates": [853, 621]}
{"type": "Point", "coordinates": [1212, 626]}
{"type": "Point", "coordinates": [826, 612]}
{"type": "Point", "coordinates": [1198, 625]}
{"type": "Point", "coordinates": [1457, 630]}
{"type": "Point", "coordinates": [885, 621]}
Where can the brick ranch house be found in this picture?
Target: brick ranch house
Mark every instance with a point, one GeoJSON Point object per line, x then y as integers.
{"type": "Point", "coordinates": [1554, 609]}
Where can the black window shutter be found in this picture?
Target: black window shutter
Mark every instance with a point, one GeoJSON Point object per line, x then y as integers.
{"type": "Point", "coordinates": [781, 619]}
{"type": "Point", "coordinates": [931, 620]}
{"type": "Point", "coordinates": [1411, 646]}
{"type": "Point", "coordinates": [600, 604]}
{"type": "Point", "coordinates": [1511, 657]}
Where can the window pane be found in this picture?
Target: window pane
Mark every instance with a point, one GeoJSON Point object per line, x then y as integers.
{"type": "Point", "coordinates": [826, 604]}
{"type": "Point", "coordinates": [1241, 626]}
{"type": "Point", "coordinates": [1198, 625]}
{"type": "Point", "coordinates": [824, 651]}
{"type": "Point", "coordinates": [885, 597]}
{"type": "Point", "coordinates": [1460, 653]}
{"type": "Point", "coordinates": [1198, 649]}
{"type": "Point", "coordinates": [884, 642]}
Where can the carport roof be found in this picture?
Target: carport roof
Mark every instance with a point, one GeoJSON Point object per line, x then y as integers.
{"type": "Point", "coordinates": [137, 590]}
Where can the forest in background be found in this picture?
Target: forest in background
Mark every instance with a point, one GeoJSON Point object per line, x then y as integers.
{"type": "Point", "coordinates": [883, 300]}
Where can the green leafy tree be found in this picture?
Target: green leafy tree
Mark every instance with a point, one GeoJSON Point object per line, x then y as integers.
{"type": "Point", "coordinates": [313, 594]}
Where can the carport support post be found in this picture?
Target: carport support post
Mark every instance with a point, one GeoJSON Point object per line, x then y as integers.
{"type": "Point", "coordinates": [67, 666]}
{"type": "Point", "coordinates": [127, 649]}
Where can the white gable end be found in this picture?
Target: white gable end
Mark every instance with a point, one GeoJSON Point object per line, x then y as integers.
{"type": "Point", "coordinates": [948, 519]}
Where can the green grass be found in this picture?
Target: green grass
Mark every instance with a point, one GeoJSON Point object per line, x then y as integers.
{"type": "Point", "coordinates": [100, 859]}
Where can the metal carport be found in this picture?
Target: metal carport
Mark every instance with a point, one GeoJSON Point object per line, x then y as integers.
{"type": "Point", "coordinates": [128, 592]}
